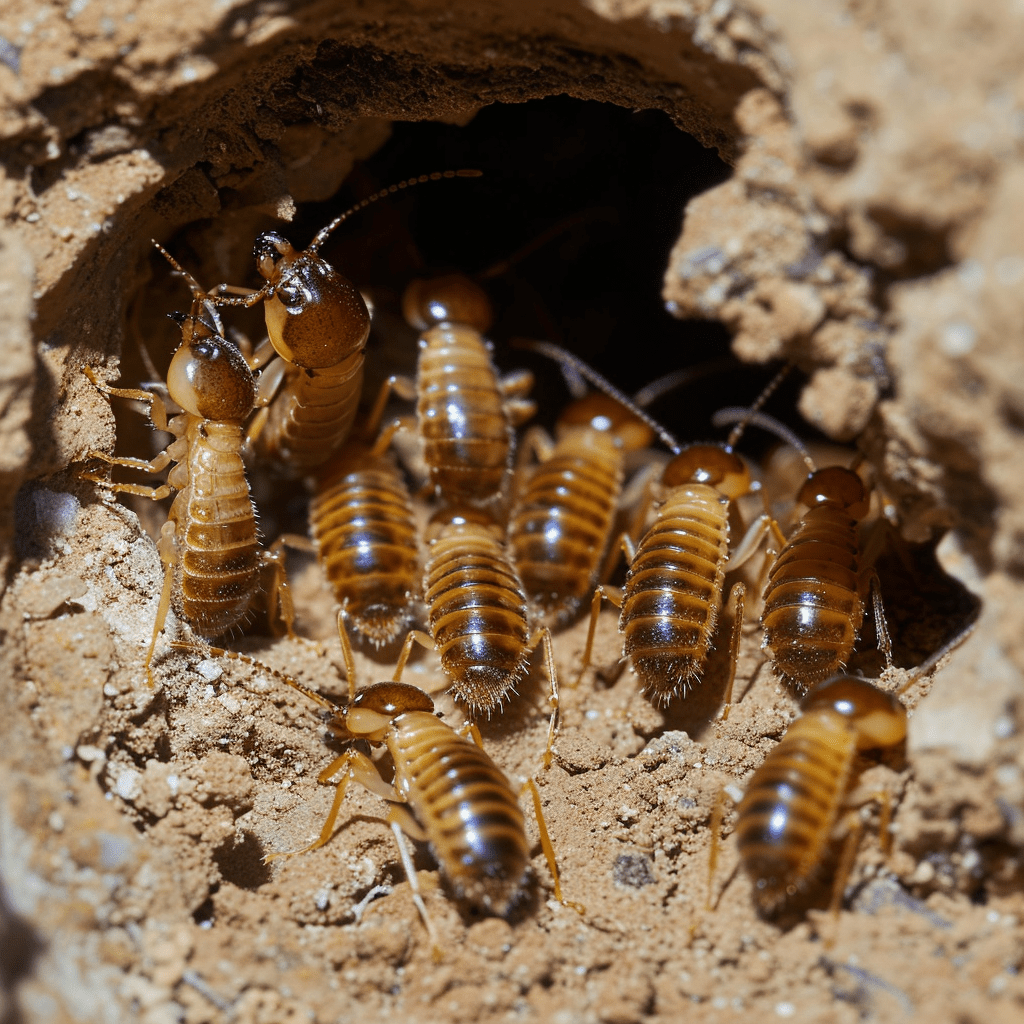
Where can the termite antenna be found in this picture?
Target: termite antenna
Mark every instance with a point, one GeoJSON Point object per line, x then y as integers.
{"type": "Point", "coordinates": [220, 652]}
{"type": "Point", "coordinates": [657, 389]}
{"type": "Point", "coordinates": [200, 296]}
{"type": "Point", "coordinates": [324, 233]}
{"type": "Point", "coordinates": [566, 358]}
{"type": "Point", "coordinates": [750, 417]}
{"type": "Point", "coordinates": [737, 431]}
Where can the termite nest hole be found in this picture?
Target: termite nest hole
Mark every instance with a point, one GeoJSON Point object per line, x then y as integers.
{"type": "Point", "coordinates": [569, 229]}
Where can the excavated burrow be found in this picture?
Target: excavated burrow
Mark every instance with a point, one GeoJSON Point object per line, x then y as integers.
{"type": "Point", "coordinates": [866, 232]}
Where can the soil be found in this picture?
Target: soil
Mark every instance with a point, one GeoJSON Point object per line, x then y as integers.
{"type": "Point", "coordinates": [860, 219]}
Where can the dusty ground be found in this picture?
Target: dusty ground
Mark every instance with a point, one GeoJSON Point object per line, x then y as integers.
{"type": "Point", "coordinates": [868, 229]}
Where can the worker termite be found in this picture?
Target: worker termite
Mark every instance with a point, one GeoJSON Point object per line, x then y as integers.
{"type": "Point", "coordinates": [814, 597]}
{"type": "Point", "coordinates": [446, 791]}
{"type": "Point", "coordinates": [362, 521]}
{"type": "Point", "coordinates": [565, 511]}
{"type": "Point", "coordinates": [672, 597]}
{"type": "Point", "coordinates": [317, 326]}
{"type": "Point", "coordinates": [209, 543]}
{"type": "Point", "coordinates": [792, 803]}
{"type": "Point", "coordinates": [466, 413]}
{"type": "Point", "coordinates": [477, 613]}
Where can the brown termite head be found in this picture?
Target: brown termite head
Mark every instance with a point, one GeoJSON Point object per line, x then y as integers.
{"type": "Point", "coordinates": [836, 486]}
{"type": "Point", "coordinates": [877, 717]}
{"type": "Point", "coordinates": [208, 376]}
{"type": "Point", "coordinates": [709, 464]}
{"type": "Point", "coordinates": [372, 711]}
{"type": "Point", "coordinates": [449, 298]}
{"type": "Point", "coordinates": [315, 316]}
{"type": "Point", "coordinates": [603, 413]}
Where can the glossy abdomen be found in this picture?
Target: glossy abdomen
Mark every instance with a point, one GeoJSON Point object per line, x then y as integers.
{"type": "Point", "coordinates": [462, 421]}
{"type": "Point", "coordinates": [812, 608]}
{"type": "Point", "coordinates": [465, 805]}
{"type": "Point", "coordinates": [786, 816]}
{"type": "Point", "coordinates": [218, 538]}
{"type": "Point", "coordinates": [561, 526]}
{"type": "Point", "coordinates": [362, 520]}
{"type": "Point", "coordinates": [673, 590]}
{"type": "Point", "coordinates": [477, 613]}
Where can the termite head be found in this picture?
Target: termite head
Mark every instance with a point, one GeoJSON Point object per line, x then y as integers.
{"type": "Point", "coordinates": [455, 517]}
{"type": "Point", "coordinates": [450, 298]}
{"type": "Point", "coordinates": [315, 316]}
{"type": "Point", "coordinates": [709, 464]}
{"type": "Point", "coordinates": [208, 377]}
{"type": "Point", "coordinates": [375, 708]}
{"type": "Point", "coordinates": [878, 718]}
{"type": "Point", "coordinates": [603, 413]}
{"type": "Point", "coordinates": [835, 485]}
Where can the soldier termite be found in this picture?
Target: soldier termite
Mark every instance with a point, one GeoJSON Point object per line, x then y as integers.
{"type": "Point", "coordinates": [209, 543]}
{"type": "Point", "coordinates": [477, 613]}
{"type": "Point", "coordinates": [317, 326]}
{"type": "Point", "coordinates": [672, 597]}
{"type": "Point", "coordinates": [466, 413]}
{"type": "Point", "coordinates": [792, 803]}
{"type": "Point", "coordinates": [565, 510]}
{"type": "Point", "coordinates": [814, 597]}
{"type": "Point", "coordinates": [446, 791]}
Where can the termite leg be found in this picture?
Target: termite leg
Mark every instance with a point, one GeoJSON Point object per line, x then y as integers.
{"type": "Point", "coordinates": [717, 814]}
{"type": "Point", "coordinates": [613, 594]}
{"type": "Point", "coordinates": [736, 598]}
{"type": "Point", "coordinates": [543, 635]}
{"type": "Point", "coordinates": [413, 636]}
{"type": "Point", "coordinates": [843, 870]}
{"type": "Point", "coordinates": [548, 848]}
{"type": "Point", "coordinates": [280, 592]}
{"type": "Point", "coordinates": [399, 821]}
{"type": "Point", "coordinates": [167, 547]}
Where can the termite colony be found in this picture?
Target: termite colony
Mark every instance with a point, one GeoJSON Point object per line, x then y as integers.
{"type": "Point", "coordinates": [443, 518]}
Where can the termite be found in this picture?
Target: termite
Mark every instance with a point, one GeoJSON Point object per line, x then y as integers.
{"type": "Point", "coordinates": [672, 597]}
{"type": "Point", "coordinates": [565, 511]}
{"type": "Point", "coordinates": [814, 597]}
{"type": "Point", "coordinates": [792, 804]}
{"type": "Point", "coordinates": [466, 412]}
{"type": "Point", "coordinates": [317, 327]}
{"type": "Point", "coordinates": [209, 543]}
{"type": "Point", "coordinates": [446, 791]}
{"type": "Point", "coordinates": [364, 528]}
{"type": "Point", "coordinates": [477, 613]}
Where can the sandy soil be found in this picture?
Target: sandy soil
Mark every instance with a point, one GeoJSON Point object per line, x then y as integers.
{"type": "Point", "coordinates": [866, 226]}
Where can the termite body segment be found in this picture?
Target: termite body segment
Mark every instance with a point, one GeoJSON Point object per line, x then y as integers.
{"type": "Point", "coordinates": [209, 543]}
{"type": "Point", "coordinates": [466, 413]}
{"type": "Point", "coordinates": [566, 509]}
{"type": "Point", "coordinates": [363, 524]}
{"type": "Point", "coordinates": [672, 597]}
{"type": "Point", "coordinates": [477, 614]}
{"type": "Point", "coordinates": [814, 597]}
{"type": "Point", "coordinates": [792, 804]}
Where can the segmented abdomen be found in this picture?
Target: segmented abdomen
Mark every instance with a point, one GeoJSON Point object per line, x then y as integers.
{"type": "Point", "coordinates": [312, 415]}
{"type": "Point", "coordinates": [362, 520]}
{"type": "Point", "coordinates": [673, 590]}
{"type": "Point", "coordinates": [785, 818]}
{"type": "Point", "coordinates": [465, 805]}
{"type": "Point", "coordinates": [219, 547]}
{"type": "Point", "coordinates": [477, 613]}
{"type": "Point", "coordinates": [812, 609]}
{"type": "Point", "coordinates": [560, 530]}
{"type": "Point", "coordinates": [462, 420]}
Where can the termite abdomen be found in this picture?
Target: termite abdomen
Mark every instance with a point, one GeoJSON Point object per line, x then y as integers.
{"type": "Point", "coordinates": [362, 520]}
